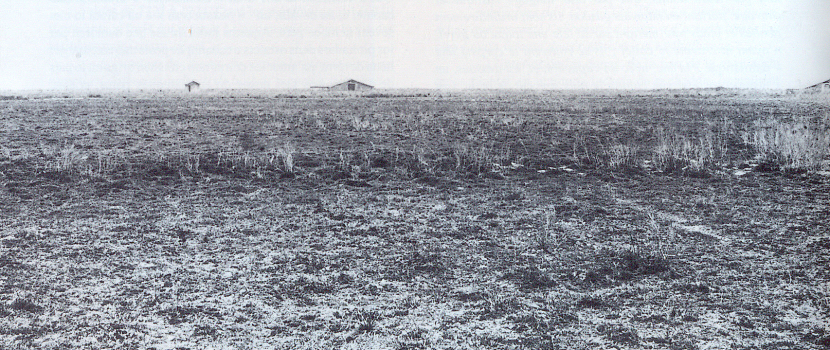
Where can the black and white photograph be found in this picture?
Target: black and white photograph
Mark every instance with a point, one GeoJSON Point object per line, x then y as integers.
{"type": "Point", "coordinates": [390, 174]}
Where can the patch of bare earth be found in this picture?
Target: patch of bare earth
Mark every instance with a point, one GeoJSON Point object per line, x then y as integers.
{"type": "Point", "coordinates": [402, 265]}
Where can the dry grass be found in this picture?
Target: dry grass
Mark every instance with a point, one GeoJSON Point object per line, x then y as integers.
{"type": "Point", "coordinates": [441, 221]}
{"type": "Point", "coordinates": [458, 143]}
{"type": "Point", "coordinates": [800, 144]}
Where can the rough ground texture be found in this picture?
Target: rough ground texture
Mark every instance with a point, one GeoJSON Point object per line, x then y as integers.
{"type": "Point", "coordinates": [143, 253]}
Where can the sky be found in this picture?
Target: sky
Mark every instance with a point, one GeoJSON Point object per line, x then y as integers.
{"type": "Point", "coordinates": [449, 44]}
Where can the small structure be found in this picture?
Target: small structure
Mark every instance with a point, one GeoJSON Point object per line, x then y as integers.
{"type": "Point", "coordinates": [350, 85]}
{"type": "Point", "coordinates": [192, 86]}
{"type": "Point", "coordinates": [821, 87]}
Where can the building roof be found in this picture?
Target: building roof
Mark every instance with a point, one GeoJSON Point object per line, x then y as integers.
{"type": "Point", "coordinates": [350, 81]}
{"type": "Point", "coordinates": [823, 82]}
{"type": "Point", "coordinates": [353, 81]}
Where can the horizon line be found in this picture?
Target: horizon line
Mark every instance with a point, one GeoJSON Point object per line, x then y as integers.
{"type": "Point", "coordinates": [406, 88]}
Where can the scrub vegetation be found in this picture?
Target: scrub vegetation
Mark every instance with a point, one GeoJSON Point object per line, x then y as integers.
{"type": "Point", "coordinates": [678, 219]}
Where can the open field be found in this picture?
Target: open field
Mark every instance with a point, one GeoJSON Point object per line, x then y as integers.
{"type": "Point", "coordinates": [689, 219]}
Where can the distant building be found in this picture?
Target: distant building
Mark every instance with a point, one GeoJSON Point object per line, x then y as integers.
{"type": "Point", "coordinates": [821, 87]}
{"type": "Point", "coordinates": [350, 85]}
{"type": "Point", "coordinates": [192, 86]}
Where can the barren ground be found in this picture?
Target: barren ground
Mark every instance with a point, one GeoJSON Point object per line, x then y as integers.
{"type": "Point", "coordinates": [111, 236]}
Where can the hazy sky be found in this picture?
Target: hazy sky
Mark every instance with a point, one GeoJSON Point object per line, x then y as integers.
{"type": "Point", "coordinates": [545, 44]}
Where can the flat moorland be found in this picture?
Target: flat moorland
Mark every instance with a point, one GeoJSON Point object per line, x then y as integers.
{"type": "Point", "coordinates": [688, 219]}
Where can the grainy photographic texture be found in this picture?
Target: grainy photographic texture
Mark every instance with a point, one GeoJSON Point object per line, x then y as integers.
{"type": "Point", "coordinates": [414, 219]}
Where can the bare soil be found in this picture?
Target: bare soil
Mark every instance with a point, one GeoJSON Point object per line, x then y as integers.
{"type": "Point", "coordinates": [377, 239]}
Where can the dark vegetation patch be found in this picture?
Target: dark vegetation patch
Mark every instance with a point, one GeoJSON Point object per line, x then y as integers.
{"type": "Point", "coordinates": [25, 305]}
{"type": "Point", "coordinates": [497, 306]}
{"type": "Point", "coordinates": [415, 262]}
{"type": "Point", "coordinates": [593, 302]}
{"type": "Point", "coordinates": [620, 334]}
{"type": "Point", "coordinates": [301, 286]}
{"type": "Point", "coordinates": [541, 323]}
{"type": "Point", "coordinates": [531, 277]}
{"type": "Point", "coordinates": [695, 288]}
{"type": "Point", "coordinates": [652, 319]}
{"type": "Point", "coordinates": [10, 262]}
{"type": "Point", "coordinates": [12, 97]}
{"type": "Point", "coordinates": [180, 314]}
{"type": "Point", "coordinates": [614, 267]}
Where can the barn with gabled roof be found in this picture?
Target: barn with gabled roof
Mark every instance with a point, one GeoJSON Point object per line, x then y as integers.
{"type": "Point", "coordinates": [351, 85]}
{"type": "Point", "coordinates": [821, 87]}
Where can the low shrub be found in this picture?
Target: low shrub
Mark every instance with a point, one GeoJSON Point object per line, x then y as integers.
{"type": "Point", "coordinates": [800, 144]}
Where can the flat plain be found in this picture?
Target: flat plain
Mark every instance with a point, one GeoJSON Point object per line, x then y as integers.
{"type": "Point", "coordinates": [682, 219]}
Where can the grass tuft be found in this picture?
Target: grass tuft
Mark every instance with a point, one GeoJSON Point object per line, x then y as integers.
{"type": "Point", "coordinates": [550, 238]}
{"type": "Point", "coordinates": [531, 277]}
{"type": "Point", "coordinates": [620, 334]}
{"type": "Point", "coordinates": [497, 305]}
{"type": "Point", "coordinates": [801, 144]}
{"type": "Point", "coordinates": [626, 265]}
